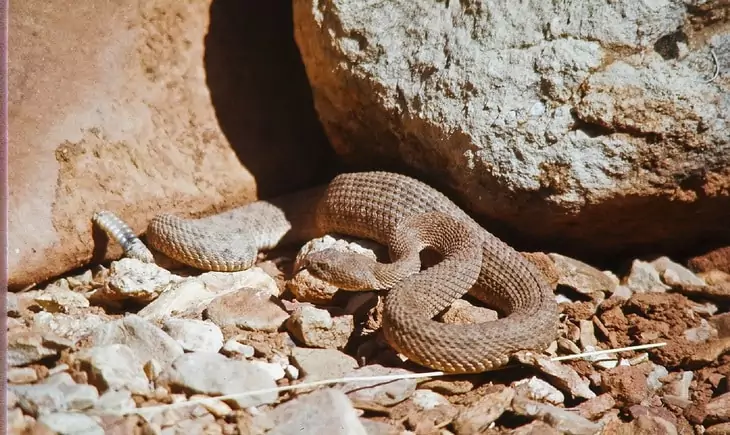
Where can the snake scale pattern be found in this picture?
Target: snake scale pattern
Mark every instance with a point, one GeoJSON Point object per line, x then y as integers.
{"type": "Point", "coordinates": [406, 215]}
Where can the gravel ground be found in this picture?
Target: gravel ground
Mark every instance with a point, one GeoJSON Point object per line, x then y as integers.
{"type": "Point", "coordinates": [135, 348]}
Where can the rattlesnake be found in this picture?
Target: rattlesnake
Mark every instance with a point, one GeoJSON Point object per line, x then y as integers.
{"type": "Point", "coordinates": [407, 215]}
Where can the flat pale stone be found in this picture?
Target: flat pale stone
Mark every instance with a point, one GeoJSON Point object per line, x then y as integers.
{"type": "Point", "coordinates": [213, 374]}
{"type": "Point", "coordinates": [146, 340]}
{"type": "Point", "coordinates": [116, 367]}
{"type": "Point", "coordinates": [194, 335]}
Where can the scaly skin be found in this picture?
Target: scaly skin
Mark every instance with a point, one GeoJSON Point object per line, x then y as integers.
{"type": "Point", "coordinates": [384, 206]}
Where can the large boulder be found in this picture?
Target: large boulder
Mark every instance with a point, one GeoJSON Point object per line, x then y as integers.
{"type": "Point", "coordinates": [589, 127]}
{"type": "Point", "coordinates": [144, 106]}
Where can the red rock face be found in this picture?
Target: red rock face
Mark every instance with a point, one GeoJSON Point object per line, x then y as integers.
{"type": "Point", "coordinates": [184, 107]}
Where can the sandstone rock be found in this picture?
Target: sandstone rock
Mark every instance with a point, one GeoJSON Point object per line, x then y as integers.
{"type": "Point", "coordinates": [596, 407]}
{"type": "Point", "coordinates": [319, 364]}
{"type": "Point", "coordinates": [275, 371]}
{"type": "Point", "coordinates": [644, 278]}
{"type": "Point", "coordinates": [194, 335]}
{"type": "Point", "coordinates": [317, 328]}
{"type": "Point", "coordinates": [716, 259]}
{"type": "Point", "coordinates": [56, 393]}
{"type": "Point", "coordinates": [427, 399]}
{"type": "Point", "coordinates": [147, 341]}
{"type": "Point", "coordinates": [71, 423]}
{"type": "Point", "coordinates": [532, 117]}
{"type": "Point", "coordinates": [192, 295]}
{"type": "Point", "coordinates": [115, 367]}
{"type": "Point", "coordinates": [462, 312]}
{"type": "Point", "coordinates": [378, 392]}
{"type": "Point", "coordinates": [214, 374]}
{"type": "Point", "coordinates": [69, 326]}
{"type": "Point", "coordinates": [480, 415]}
{"type": "Point", "coordinates": [247, 308]}
{"type": "Point", "coordinates": [562, 420]}
{"type": "Point", "coordinates": [22, 375]}
{"type": "Point", "coordinates": [563, 376]}
{"type": "Point", "coordinates": [628, 385]}
{"type": "Point", "coordinates": [55, 300]}
{"type": "Point", "coordinates": [675, 274]}
{"type": "Point", "coordinates": [115, 400]}
{"type": "Point", "coordinates": [536, 389]}
{"type": "Point", "coordinates": [580, 276]}
{"type": "Point", "coordinates": [132, 279]}
{"type": "Point", "coordinates": [153, 129]}
{"type": "Point", "coordinates": [26, 346]}
{"type": "Point", "coordinates": [234, 348]}
{"type": "Point", "coordinates": [326, 411]}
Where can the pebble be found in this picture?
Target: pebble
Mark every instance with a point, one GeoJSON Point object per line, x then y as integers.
{"type": "Point", "coordinates": [628, 385]}
{"type": "Point", "coordinates": [146, 340]}
{"type": "Point", "coordinates": [69, 326]}
{"type": "Point", "coordinates": [247, 308]}
{"type": "Point", "coordinates": [55, 300]}
{"type": "Point", "coordinates": [213, 374]}
{"type": "Point", "coordinates": [218, 408]}
{"type": "Point", "coordinates": [536, 389]}
{"type": "Point", "coordinates": [71, 423]}
{"type": "Point", "coordinates": [718, 429]}
{"type": "Point", "coordinates": [644, 278]}
{"type": "Point", "coordinates": [234, 348]}
{"type": "Point", "coordinates": [315, 327]}
{"type": "Point", "coordinates": [648, 424]}
{"type": "Point", "coordinates": [12, 305]}
{"type": "Point", "coordinates": [327, 411]}
{"type": "Point", "coordinates": [18, 423]}
{"type": "Point", "coordinates": [292, 372]}
{"type": "Point", "coordinates": [190, 296]}
{"type": "Point", "coordinates": [115, 367]}
{"type": "Point", "coordinates": [596, 407]}
{"type": "Point", "coordinates": [718, 409]}
{"type": "Point", "coordinates": [22, 375]}
{"type": "Point", "coordinates": [562, 420]}
{"type": "Point", "coordinates": [379, 392]}
{"type": "Point", "coordinates": [462, 312]}
{"type": "Point", "coordinates": [427, 399]}
{"type": "Point", "coordinates": [319, 364]}
{"type": "Point", "coordinates": [373, 427]}
{"type": "Point", "coordinates": [54, 394]}
{"type": "Point", "coordinates": [675, 274]}
{"type": "Point", "coordinates": [680, 385]}
{"type": "Point", "coordinates": [26, 346]}
{"type": "Point", "coordinates": [133, 279]}
{"type": "Point", "coordinates": [194, 335]}
{"type": "Point", "coordinates": [86, 278]}
{"type": "Point", "coordinates": [622, 292]}
{"type": "Point", "coordinates": [580, 276]}
{"type": "Point", "coordinates": [701, 333]}
{"type": "Point", "coordinates": [479, 416]}
{"type": "Point", "coordinates": [274, 370]}
{"type": "Point", "coordinates": [115, 400]}
{"type": "Point", "coordinates": [562, 376]}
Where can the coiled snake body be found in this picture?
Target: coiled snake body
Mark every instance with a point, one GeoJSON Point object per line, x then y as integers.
{"type": "Point", "coordinates": [407, 215]}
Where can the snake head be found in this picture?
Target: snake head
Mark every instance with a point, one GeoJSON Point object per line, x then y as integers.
{"type": "Point", "coordinates": [346, 270]}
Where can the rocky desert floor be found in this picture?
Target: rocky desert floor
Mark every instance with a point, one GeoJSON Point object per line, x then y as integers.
{"type": "Point", "coordinates": [135, 348]}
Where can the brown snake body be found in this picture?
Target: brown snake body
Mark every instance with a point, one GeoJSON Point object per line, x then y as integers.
{"type": "Point", "coordinates": [407, 215]}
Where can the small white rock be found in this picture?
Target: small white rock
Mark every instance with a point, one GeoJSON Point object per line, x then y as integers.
{"type": "Point", "coordinates": [234, 348]}
{"type": "Point", "coordinates": [194, 335]}
{"type": "Point", "coordinates": [273, 369]}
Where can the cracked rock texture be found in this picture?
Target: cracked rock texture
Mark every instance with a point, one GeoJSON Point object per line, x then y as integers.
{"type": "Point", "coordinates": [563, 122]}
{"type": "Point", "coordinates": [188, 107]}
